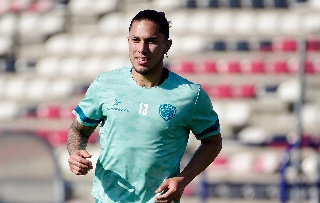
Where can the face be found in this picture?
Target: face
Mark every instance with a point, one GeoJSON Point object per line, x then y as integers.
{"type": "Point", "coordinates": [147, 47]}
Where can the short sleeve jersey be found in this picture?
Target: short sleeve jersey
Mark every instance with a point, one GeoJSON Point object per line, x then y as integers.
{"type": "Point", "coordinates": [144, 131]}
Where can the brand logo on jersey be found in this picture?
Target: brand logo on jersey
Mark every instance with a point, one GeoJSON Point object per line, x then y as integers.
{"type": "Point", "coordinates": [116, 103]}
{"type": "Point", "coordinates": [167, 111]}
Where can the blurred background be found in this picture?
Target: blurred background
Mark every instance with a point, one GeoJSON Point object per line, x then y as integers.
{"type": "Point", "coordinates": [259, 61]}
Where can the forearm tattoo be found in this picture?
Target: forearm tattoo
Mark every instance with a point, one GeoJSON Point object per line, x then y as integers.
{"type": "Point", "coordinates": [78, 136]}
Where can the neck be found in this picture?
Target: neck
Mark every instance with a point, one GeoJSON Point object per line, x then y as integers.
{"type": "Point", "coordinates": [148, 80]}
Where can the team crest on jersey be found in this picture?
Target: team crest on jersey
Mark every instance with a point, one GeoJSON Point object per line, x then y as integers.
{"type": "Point", "coordinates": [167, 111]}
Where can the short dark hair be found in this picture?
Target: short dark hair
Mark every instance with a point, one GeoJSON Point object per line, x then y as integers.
{"type": "Point", "coordinates": [156, 17]}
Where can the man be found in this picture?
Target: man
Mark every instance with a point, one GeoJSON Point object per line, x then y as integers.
{"type": "Point", "coordinates": [146, 114]}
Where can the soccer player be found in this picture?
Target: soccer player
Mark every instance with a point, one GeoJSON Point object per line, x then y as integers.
{"type": "Point", "coordinates": [145, 113]}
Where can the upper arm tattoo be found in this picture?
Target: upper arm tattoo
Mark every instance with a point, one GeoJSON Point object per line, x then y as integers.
{"type": "Point", "coordinates": [78, 136]}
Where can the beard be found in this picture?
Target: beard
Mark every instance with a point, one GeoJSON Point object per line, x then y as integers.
{"type": "Point", "coordinates": [149, 69]}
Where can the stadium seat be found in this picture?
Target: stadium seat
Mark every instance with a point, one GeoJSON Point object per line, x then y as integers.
{"type": "Point", "coordinates": [48, 111]}
{"type": "Point", "coordinates": [313, 45]}
{"type": "Point", "coordinates": [60, 88]}
{"type": "Point", "coordinates": [38, 90]}
{"type": "Point", "coordinates": [289, 90]}
{"type": "Point", "coordinates": [58, 44]}
{"type": "Point", "coordinates": [52, 23]}
{"type": "Point", "coordinates": [278, 67]}
{"type": "Point", "coordinates": [229, 67]}
{"type": "Point", "coordinates": [4, 8]}
{"type": "Point", "coordinates": [41, 6]}
{"type": "Point", "coordinates": [166, 4]}
{"type": "Point", "coordinates": [91, 67]}
{"type": "Point", "coordinates": [253, 135]}
{"type": "Point", "coordinates": [222, 23]}
{"type": "Point", "coordinates": [69, 66]}
{"type": "Point", "coordinates": [47, 67]}
{"type": "Point", "coordinates": [65, 111]}
{"type": "Point", "coordinates": [28, 24]}
{"type": "Point", "coordinates": [280, 4]}
{"type": "Point", "coordinates": [311, 22]}
{"type": "Point", "coordinates": [218, 45]}
{"type": "Point", "coordinates": [207, 66]}
{"type": "Point", "coordinates": [220, 91]}
{"type": "Point", "coordinates": [190, 4]}
{"type": "Point", "coordinates": [267, 23]}
{"type": "Point", "coordinates": [200, 23]}
{"type": "Point", "coordinates": [294, 66]}
{"type": "Point", "coordinates": [265, 45]}
{"type": "Point", "coordinates": [290, 23]}
{"type": "Point", "coordinates": [8, 24]}
{"type": "Point", "coordinates": [255, 4]}
{"type": "Point", "coordinates": [58, 137]}
{"type": "Point", "coordinates": [254, 66]}
{"type": "Point", "coordinates": [233, 3]}
{"type": "Point", "coordinates": [310, 116]}
{"type": "Point", "coordinates": [242, 162]}
{"type": "Point", "coordinates": [244, 91]}
{"type": "Point", "coordinates": [242, 45]}
{"type": "Point", "coordinates": [15, 88]}
{"type": "Point", "coordinates": [286, 45]}
{"type": "Point", "coordinates": [9, 110]}
{"type": "Point", "coordinates": [114, 20]}
{"type": "Point", "coordinates": [242, 115]}
{"type": "Point", "coordinates": [6, 45]}
{"type": "Point", "coordinates": [267, 162]}
{"type": "Point", "coordinates": [208, 4]}
{"type": "Point", "coordinates": [244, 23]}
{"type": "Point", "coordinates": [184, 67]}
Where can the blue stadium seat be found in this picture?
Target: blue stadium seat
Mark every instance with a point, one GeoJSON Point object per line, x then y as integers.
{"type": "Point", "coordinates": [219, 45]}
{"type": "Point", "coordinates": [234, 3]}
{"type": "Point", "coordinates": [242, 45]}
{"type": "Point", "coordinates": [281, 4]}
{"type": "Point", "coordinates": [191, 4]}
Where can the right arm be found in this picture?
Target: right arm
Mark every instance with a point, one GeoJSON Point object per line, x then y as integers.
{"type": "Point", "coordinates": [77, 141]}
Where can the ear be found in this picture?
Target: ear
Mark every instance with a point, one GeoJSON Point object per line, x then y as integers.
{"type": "Point", "coordinates": [168, 45]}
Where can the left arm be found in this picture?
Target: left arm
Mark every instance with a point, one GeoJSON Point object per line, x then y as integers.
{"type": "Point", "coordinates": [206, 153]}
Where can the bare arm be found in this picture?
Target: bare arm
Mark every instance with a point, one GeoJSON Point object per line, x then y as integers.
{"type": "Point", "coordinates": [78, 136]}
{"type": "Point", "coordinates": [206, 153]}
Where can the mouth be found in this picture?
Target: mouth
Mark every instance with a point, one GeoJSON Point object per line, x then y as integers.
{"type": "Point", "coordinates": [142, 60]}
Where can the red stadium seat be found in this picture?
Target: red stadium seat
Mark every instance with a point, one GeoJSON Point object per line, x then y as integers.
{"type": "Point", "coordinates": [254, 67]}
{"type": "Point", "coordinates": [279, 67]}
{"type": "Point", "coordinates": [49, 111]}
{"type": "Point", "coordinates": [245, 91]}
{"type": "Point", "coordinates": [208, 66]}
{"type": "Point", "coordinates": [313, 45]}
{"type": "Point", "coordinates": [183, 67]}
{"type": "Point", "coordinates": [66, 111]}
{"type": "Point", "coordinates": [308, 67]}
{"type": "Point", "coordinates": [221, 91]}
{"type": "Point", "coordinates": [286, 45]}
{"type": "Point", "coordinates": [231, 67]}
{"type": "Point", "coordinates": [59, 137]}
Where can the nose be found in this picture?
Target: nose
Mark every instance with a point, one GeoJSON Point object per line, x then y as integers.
{"type": "Point", "coordinates": [142, 46]}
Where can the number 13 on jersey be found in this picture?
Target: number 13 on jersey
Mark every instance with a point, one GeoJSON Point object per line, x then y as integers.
{"type": "Point", "coordinates": [143, 109]}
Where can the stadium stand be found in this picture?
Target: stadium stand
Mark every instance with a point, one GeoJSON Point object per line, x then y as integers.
{"type": "Point", "coordinates": [245, 54]}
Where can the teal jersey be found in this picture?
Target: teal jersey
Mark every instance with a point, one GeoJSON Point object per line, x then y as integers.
{"type": "Point", "coordinates": [144, 131]}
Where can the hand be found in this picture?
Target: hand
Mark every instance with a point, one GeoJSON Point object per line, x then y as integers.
{"type": "Point", "coordinates": [173, 188]}
{"type": "Point", "coordinates": [78, 162]}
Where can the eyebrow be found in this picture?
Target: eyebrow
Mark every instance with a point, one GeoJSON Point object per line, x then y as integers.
{"type": "Point", "coordinates": [149, 38]}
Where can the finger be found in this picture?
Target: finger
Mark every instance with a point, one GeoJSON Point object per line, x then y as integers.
{"type": "Point", "coordinates": [84, 154]}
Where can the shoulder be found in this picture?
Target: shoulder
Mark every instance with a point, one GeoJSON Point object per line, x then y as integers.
{"type": "Point", "coordinates": [113, 75]}
{"type": "Point", "coordinates": [183, 84]}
